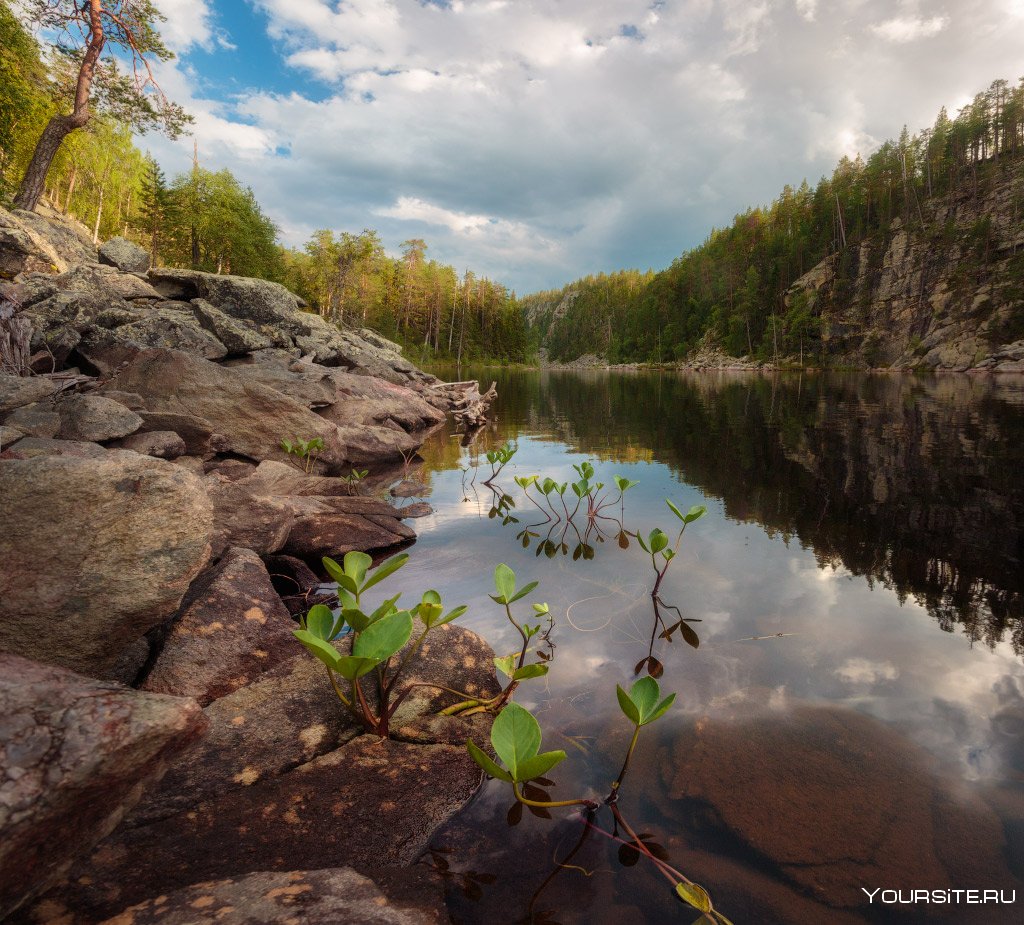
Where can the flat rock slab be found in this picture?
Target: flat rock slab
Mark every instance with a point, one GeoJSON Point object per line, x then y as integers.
{"type": "Point", "coordinates": [370, 803]}
{"type": "Point", "coordinates": [75, 755]}
{"type": "Point", "coordinates": [335, 896]}
{"type": "Point", "coordinates": [334, 526]}
{"type": "Point", "coordinates": [232, 628]}
{"type": "Point", "coordinates": [257, 522]}
{"type": "Point", "coordinates": [835, 800]}
{"type": "Point", "coordinates": [287, 717]}
{"type": "Point", "coordinates": [95, 553]}
{"type": "Point", "coordinates": [16, 391]}
{"type": "Point", "coordinates": [252, 417]}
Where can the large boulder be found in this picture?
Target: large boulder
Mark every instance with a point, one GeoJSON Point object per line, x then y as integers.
{"type": "Point", "coordinates": [232, 628]}
{"type": "Point", "coordinates": [17, 391]}
{"type": "Point", "coordinates": [39, 419]}
{"type": "Point", "coordinates": [371, 803]}
{"type": "Point", "coordinates": [334, 526]}
{"type": "Point", "coordinates": [252, 417]}
{"type": "Point", "coordinates": [95, 418]}
{"type": "Point", "coordinates": [163, 444]}
{"type": "Point", "coordinates": [170, 325]}
{"type": "Point", "coordinates": [312, 897]}
{"type": "Point", "coordinates": [31, 242]}
{"type": "Point", "coordinates": [75, 755]}
{"type": "Point", "coordinates": [125, 255]}
{"type": "Point", "coordinates": [243, 518]}
{"type": "Point", "coordinates": [59, 321]}
{"type": "Point", "coordinates": [95, 552]}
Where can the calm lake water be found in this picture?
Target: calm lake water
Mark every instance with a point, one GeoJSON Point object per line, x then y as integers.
{"type": "Point", "coordinates": [854, 714]}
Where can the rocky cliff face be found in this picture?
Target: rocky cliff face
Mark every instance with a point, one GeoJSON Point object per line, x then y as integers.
{"type": "Point", "coordinates": [943, 288]}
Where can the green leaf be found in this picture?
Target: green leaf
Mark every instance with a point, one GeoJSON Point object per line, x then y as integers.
{"type": "Point", "coordinates": [669, 554]}
{"type": "Point", "coordinates": [661, 709]}
{"type": "Point", "coordinates": [286, 445]}
{"type": "Point", "coordinates": [540, 609]}
{"type": "Point", "coordinates": [386, 568]}
{"type": "Point", "coordinates": [627, 705]}
{"type": "Point", "coordinates": [643, 545]}
{"type": "Point", "coordinates": [523, 591]}
{"type": "Point", "coordinates": [675, 510]}
{"type": "Point", "coordinates": [658, 540]}
{"type": "Point", "coordinates": [538, 765]}
{"type": "Point", "coordinates": [355, 618]}
{"type": "Point", "coordinates": [504, 582]}
{"type": "Point", "coordinates": [644, 694]}
{"type": "Point", "coordinates": [515, 736]}
{"type": "Point", "coordinates": [487, 763]}
{"type": "Point", "coordinates": [384, 637]}
{"type": "Point", "coordinates": [351, 667]}
{"type": "Point", "coordinates": [530, 671]}
{"type": "Point", "coordinates": [356, 564]}
{"type": "Point", "coordinates": [695, 895]}
{"type": "Point", "coordinates": [506, 664]}
{"type": "Point", "coordinates": [453, 614]}
{"type": "Point", "coordinates": [320, 621]}
{"type": "Point", "coordinates": [332, 568]}
{"type": "Point", "coordinates": [318, 647]}
{"type": "Point", "coordinates": [695, 513]}
{"type": "Point", "coordinates": [549, 486]}
{"type": "Point", "coordinates": [384, 609]}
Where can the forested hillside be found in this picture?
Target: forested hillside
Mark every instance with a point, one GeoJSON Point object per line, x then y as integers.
{"type": "Point", "coordinates": [206, 219]}
{"type": "Point", "coordinates": [957, 183]}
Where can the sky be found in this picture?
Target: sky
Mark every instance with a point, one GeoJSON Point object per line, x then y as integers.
{"type": "Point", "coordinates": [537, 141]}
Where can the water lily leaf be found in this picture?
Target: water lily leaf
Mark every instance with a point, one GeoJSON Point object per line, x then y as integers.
{"type": "Point", "coordinates": [505, 583]}
{"type": "Point", "coordinates": [318, 647]}
{"type": "Point", "coordinates": [490, 767]}
{"type": "Point", "coordinates": [529, 671]}
{"type": "Point", "coordinates": [695, 895]}
{"type": "Point", "coordinates": [515, 736]}
{"type": "Point", "coordinates": [538, 765]}
{"type": "Point", "coordinates": [385, 569]}
{"type": "Point", "coordinates": [384, 637]}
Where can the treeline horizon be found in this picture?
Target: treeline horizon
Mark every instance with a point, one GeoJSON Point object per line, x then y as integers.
{"type": "Point", "coordinates": [207, 220]}
{"type": "Point", "coordinates": [729, 291]}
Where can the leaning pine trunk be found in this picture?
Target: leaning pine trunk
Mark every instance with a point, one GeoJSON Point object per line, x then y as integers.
{"type": "Point", "coordinates": [57, 129]}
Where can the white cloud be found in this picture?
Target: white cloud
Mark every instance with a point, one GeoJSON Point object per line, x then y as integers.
{"type": "Point", "coordinates": [864, 672]}
{"type": "Point", "coordinates": [903, 29]}
{"type": "Point", "coordinates": [536, 142]}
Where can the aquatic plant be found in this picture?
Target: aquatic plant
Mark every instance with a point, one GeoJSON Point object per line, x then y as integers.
{"type": "Point", "coordinates": [353, 479]}
{"type": "Point", "coordinates": [516, 739]}
{"type": "Point", "coordinates": [305, 450]}
{"type": "Point", "coordinates": [377, 637]}
{"type": "Point", "coordinates": [499, 458]}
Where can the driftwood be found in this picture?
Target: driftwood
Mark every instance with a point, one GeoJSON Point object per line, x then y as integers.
{"type": "Point", "coordinates": [471, 410]}
{"type": "Point", "coordinates": [15, 336]}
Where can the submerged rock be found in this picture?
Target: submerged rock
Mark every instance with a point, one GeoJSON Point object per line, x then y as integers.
{"type": "Point", "coordinates": [75, 755]}
{"type": "Point", "coordinates": [95, 552]}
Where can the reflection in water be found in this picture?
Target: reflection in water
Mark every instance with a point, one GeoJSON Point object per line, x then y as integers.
{"type": "Point", "coordinates": [825, 735]}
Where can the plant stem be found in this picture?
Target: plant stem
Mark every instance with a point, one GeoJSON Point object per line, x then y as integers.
{"type": "Point", "coordinates": [625, 765]}
{"type": "Point", "coordinates": [337, 690]}
{"type": "Point", "coordinates": [540, 804]}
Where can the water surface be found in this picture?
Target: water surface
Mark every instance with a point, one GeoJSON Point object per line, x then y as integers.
{"type": "Point", "coordinates": [854, 713]}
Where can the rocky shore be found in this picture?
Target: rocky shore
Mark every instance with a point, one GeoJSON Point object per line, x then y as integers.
{"type": "Point", "coordinates": [167, 750]}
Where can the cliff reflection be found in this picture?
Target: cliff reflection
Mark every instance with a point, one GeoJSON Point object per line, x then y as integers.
{"type": "Point", "coordinates": [913, 483]}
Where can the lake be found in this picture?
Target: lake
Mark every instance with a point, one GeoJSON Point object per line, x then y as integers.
{"type": "Point", "coordinates": [852, 720]}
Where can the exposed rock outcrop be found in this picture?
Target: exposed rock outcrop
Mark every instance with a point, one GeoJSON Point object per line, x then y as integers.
{"type": "Point", "coordinates": [96, 552]}
{"type": "Point", "coordinates": [75, 755]}
{"type": "Point", "coordinates": [941, 290]}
